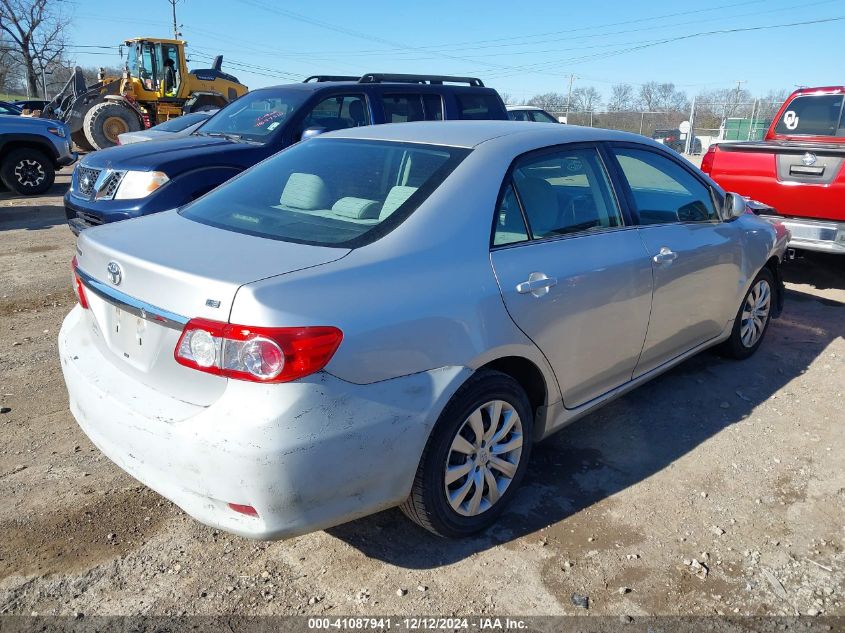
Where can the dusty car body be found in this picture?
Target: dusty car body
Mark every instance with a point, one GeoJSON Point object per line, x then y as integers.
{"type": "Point", "coordinates": [440, 297]}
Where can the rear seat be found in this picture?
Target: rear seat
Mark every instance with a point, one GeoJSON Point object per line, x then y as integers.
{"type": "Point", "coordinates": [308, 193]}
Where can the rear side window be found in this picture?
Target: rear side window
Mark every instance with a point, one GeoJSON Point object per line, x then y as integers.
{"type": "Point", "coordinates": [539, 116]}
{"type": "Point", "coordinates": [477, 106]}
{"type": "Point", "coordinates": [509, 227]}
{"type": "Point", "coordinates": [329, 192]}
{"type": "Point", "coordinates": [338, 112]}
{"type": "Point", "coordinates": [402, 108]}
{"type": "Point", "coordinates": [567, 191]}
{"type": "Point", "coordinates": [664, 191]}
{"type": "Point", "coordinates": [813, 115]}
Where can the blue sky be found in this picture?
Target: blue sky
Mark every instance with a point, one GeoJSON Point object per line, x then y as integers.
{"type": "Point", "coordinates": [519, 47]}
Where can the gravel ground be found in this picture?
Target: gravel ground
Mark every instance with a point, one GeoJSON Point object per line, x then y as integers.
{"type": "Point", "coordinates": [717, 488]}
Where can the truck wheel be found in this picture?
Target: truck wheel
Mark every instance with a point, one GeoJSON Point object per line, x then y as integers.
{"type": "Point", "coordinates": [27, 171]}
{"type": "Point", "coordinates": [80, 141]}
{"type": "Point", "coordinates": [105, 121]}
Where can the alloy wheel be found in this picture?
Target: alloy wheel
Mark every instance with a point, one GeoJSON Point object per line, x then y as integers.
{"type": "Point", "coordinates": [755, 313]}
{"type": "Point", "coordinates": [29, 173]}
{"type": "Point", "coordinates": [483, 458]}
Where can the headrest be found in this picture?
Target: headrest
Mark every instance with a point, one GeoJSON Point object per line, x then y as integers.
{"type": "Point", "coordinates": [305, 191]}
{"type": "Point", "coordinates": [356, 208]}
{"type": "Point", "coordinates": [396, 197]}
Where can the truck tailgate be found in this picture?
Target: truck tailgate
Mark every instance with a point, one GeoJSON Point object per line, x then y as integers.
{"type": "Point", "coordinates": [797, 179]}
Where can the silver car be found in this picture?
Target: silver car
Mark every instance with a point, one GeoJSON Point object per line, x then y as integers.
{"type": "Point", "coordinates": [393, 315]}
{"type": "Point", "coordinates": [172, 128]}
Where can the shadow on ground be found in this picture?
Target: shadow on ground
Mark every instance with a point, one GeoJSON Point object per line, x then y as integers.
{"type": "Point", "coordinates": [32, 213]}
{"type": "Point", "coordinates": [819, 270]}
{"type": "Point", "coordinates": [628, 440]}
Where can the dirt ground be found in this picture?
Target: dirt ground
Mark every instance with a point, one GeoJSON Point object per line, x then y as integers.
{"type": "Point", "coordinates": [717, 488]}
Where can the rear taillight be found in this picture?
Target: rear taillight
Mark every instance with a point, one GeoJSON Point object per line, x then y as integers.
{"type": "Point", "coordinates": [707, 159]}
{"type": "Point", "coordinates": [259, 354]}
{"type": "Point", "coordinates": [78, 288]}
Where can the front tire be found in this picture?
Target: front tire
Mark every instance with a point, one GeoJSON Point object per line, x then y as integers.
{"type": "Point", "coordinates": [753, 318]}
{"type": "Point", "coordinates": [475, 458]}
{"type": "Point", "coordinates": [106, 121]}
{"type": "Point", "coordinates": [27, 171]}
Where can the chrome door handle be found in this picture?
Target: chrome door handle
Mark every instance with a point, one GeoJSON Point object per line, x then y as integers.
{"type": "Point", "coordinates": [538, 284]}
{"type": "Point", "coordinates": [665, 256]}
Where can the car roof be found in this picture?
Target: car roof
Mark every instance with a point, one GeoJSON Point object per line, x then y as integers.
{"type": "Point", "coordinates": [472, 133]}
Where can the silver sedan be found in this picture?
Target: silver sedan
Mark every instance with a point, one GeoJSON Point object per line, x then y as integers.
{"type": "Point", "coordinates": [393, 315]}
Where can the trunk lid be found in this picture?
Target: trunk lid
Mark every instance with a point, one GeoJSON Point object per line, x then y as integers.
{"type": "Point", "coordinates": [145, 279]}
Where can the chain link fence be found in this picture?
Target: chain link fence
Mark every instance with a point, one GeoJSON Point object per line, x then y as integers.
{"type": "Point", "coordinates": [710, 122]}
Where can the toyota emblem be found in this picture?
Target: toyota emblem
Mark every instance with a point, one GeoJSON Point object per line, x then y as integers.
{"type": "Point", "coordinates": [115, 273]}
{"type": "Point", "coordinates": [809, 159]}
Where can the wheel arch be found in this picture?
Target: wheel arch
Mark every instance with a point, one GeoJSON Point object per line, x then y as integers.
{"type": "Point", "coordinates": [773, 264]}
{"type": "Point", "coordinates": [27, 141]}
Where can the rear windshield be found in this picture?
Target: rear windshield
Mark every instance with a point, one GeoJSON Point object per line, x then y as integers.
{"type": "Point", "coordinates": [255, 116]}
{"type": "Point", "coordinates": [478, 106]}
{"type": "Point", "coordinates": [813, 115]}
{"type": "Point", "coordinates": [182, 122]}
{"type": "Point", "coordinates": [329, 192]}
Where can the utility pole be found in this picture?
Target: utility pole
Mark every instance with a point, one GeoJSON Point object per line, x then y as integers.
{"type": "Point", "coordinates": [739, 83]}
{"type": "Point", "coordinates": [176, 33]}
{"type": "Point", "coordinates": [569, 96]}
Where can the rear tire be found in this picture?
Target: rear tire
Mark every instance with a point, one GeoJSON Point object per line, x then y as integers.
{"type": "Point", "coordinates": [453, 494]}
{"type": "Point", "coordinates": [105, 121]}
{"type": "Point", "coordinates": [753, 317]}
{"type": "Point", "coordinates": [27, 171]}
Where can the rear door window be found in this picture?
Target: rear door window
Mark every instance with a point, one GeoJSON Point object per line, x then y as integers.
{"type": "Point", "coordinates": [338, 112]}
{"type": "Point", "coordinates": [813, 115]}
{"type": "Point", "coordinates": [539, 116]}
{"type": "Point", "coordinates": [663, 191]}
{"type": "Point", "coordinates": [477, 106]}
{"type": "Point", "coordinates": [566, 191]}
{"type": "Point", "coordinates": [402, 108]}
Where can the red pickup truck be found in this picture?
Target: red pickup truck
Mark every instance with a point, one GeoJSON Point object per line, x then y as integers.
{"type": "Point", "coordinates": [798, 169]}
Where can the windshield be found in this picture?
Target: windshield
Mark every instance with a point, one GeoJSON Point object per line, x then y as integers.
{"type": "Point", "coordinates": [329, 192]}
{"type": "Point", "coordinates": [182, 122]}
{"type": "Point", "coordinates": [813, 115]}
{"type": "Point", "coordinates": [256, 115]}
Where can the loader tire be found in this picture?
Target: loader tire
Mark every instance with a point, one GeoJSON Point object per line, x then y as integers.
{"type": "Point", "coordinates": [80, 141]}
{"type": "Point", "coordinates": [105, 121]}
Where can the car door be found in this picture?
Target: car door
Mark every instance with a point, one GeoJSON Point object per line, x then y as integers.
{"type": "Point", "coordinates": [574, 276]}
{"type": "Point", "coordinates": [696, 258]}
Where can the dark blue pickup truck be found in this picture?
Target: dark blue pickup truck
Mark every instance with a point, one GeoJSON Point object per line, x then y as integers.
{"type": "Point", "coordinates": [125, 182]}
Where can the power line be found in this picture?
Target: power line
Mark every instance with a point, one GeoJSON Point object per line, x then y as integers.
{"type": "Point", "coordinates": [541, 66]}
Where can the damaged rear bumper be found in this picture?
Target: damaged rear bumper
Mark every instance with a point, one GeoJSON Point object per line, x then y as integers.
{"type": "Point", "coordinates": [306, 455]}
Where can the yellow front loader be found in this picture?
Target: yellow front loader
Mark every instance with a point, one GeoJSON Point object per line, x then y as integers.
{"type": "Point", "coordinates": [156, 85]}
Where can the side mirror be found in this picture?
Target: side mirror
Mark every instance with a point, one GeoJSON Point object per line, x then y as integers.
{"type": "Point", "coordinates": [311, 132]}
{"type": "Point", "coordinates": [734, 206]}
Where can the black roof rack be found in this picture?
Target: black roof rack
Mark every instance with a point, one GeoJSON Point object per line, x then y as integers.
{"type": "Point", "coordinates": [372, 78]}
{"type": "Point", "coordinates": [331, 78]}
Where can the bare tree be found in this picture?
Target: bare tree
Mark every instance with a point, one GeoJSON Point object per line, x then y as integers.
{"type": "Point", "coordinates": [36, 33]}
{"type": "Point", "coordinates": [585, 99]}
{"type": "Point", "coordinates": [552, 101]}
{"type": "Point", "coordinates": [662, 97]}
{"type": "Point", "coordinates": [771, 102]}
{"type": "Point", "coordinates": [621, 98]}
